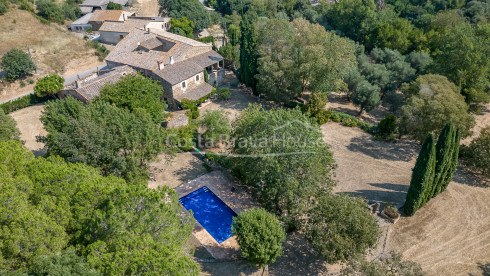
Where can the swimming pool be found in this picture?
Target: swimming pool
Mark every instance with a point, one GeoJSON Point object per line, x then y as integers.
{"type": "Point", "coordinates": [211, 212]}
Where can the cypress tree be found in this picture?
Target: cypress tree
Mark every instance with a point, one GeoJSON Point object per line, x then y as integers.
{"type": "Point", "coordinates": [248, 51]}
{"type": "Point", "coordinates": [422, 176]}
{"type": "Point", "coordinates": [454, 161]}
{"type": "Point", "coordinates": [444, 158]}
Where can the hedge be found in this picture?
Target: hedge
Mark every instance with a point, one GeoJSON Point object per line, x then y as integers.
{"type": "Point", "coordinates": [22, 102]}
{"type": "Point", "coordinates": [352, 121]}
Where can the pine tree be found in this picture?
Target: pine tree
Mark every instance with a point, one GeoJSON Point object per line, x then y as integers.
{"type": "Point", "coordinates": [454, 161]}
{"type": "Point", "coordinates": [422, 176]}
{"type": "Point", "coordinates": [444, 158]}
{"type": "Point", "coordinates": [248, 52]}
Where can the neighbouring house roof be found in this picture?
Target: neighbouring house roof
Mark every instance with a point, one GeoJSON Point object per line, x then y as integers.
{"type": "Point", "coordinates": [95, 3]}
{"type": "Point", "coordinates": [91, 88]}
{"type": "Point", "coordinates": [124, 27]}
{"type": "Point", "coordinates": [195, 93]}
{"type": "Point", "coordinates": [178, 119]}
{"type": "Point", "coordinates": [82, 20]}
{"type": "Point", "coordinates": [106, 15]}
{"type": "Point", "coordinates": [120, 2]}
{"type": "Point", "coordinates": [86, 9]}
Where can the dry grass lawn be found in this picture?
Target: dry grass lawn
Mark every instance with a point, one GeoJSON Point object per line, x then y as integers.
{"type": "Point", "coordinates": [54, 49]}
{"type": "Point", "coordinates": [30, 126]}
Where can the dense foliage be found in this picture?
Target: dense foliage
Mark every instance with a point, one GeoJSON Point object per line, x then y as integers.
{"type": "Point", "coordinates": [49, 85]}
{"type": "Point", "coordinates": [17, 64]}
{"type": "Point", "coordinates": [182, 26]}
{"type": "Point", "coordinates": [341, 226]}
{"type": "Point", "coordinates": [8, 128]}
{"type": "Point", "coordinates": [135, 92]}
{"type": "Point", "coordinates": [477, 154]}
{"type": "Point", "coordinates": [290, 64]}
{"type": "Point", "coordinates": [51, 207]}
{"type": "Point", "coordinates": [192, 10]}
{"type": "Point", "coordinates": [217, 127]}
{"type": "Point", "coordinates": [248, 52]}
{"type": "Point", "coordinates": [114, 6]}
{"type": "Point", "coordinates": [113, 139]}
{"type": "Point", "coordinates": [53, 12]}
{"type": "Point", "coordinates": [432, 101]}
{"type": "Point", "coordinates": [260, 236]}
{"type": "Point", "coordinates": [283, 157]}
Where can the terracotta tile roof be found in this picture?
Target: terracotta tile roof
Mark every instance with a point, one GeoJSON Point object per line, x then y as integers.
{"type": "Point", "coordinates": [124, 27]}
{"type": "Point", "coordinates": [91, 88]}
{"type": "Point", "coordinates": [195, 93]}
{"type": "Point", "coordinates": [95, 3]}
{"type": "Point", "coordinates": [106, 15]}
{"type": "Point", "coordinates": [86, 9]}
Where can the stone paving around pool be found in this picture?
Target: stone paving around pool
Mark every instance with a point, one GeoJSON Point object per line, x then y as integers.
{"type": "Point", "coordinates": [238, 200]}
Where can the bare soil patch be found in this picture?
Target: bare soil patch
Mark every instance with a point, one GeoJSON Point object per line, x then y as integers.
{"type": "Point", "coordinates": [54, 49]}
{"type": "Point", "coordinates": [30, 126]}
{"type": "Point", "coordinates": [175, 171]}
{"type": "Point", "coordinates": [146, 8]}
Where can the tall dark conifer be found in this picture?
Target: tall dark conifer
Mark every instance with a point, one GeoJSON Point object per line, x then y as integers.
{"type": "Point", "coordinates": [454, 161]}
{"type": "Point", "coordinates": [248, 51]}
{"type": "Point", "coordinates": [444, 158]}
{"type": "Point", "coordinates": [422, 176]}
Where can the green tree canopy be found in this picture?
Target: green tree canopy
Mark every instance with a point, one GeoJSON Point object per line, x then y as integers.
{"type": "Point", "coordinates": [193, 10]}
{"type": "Point", "coordinates": [17, 64]}
{"type": "Point", "coordinates": [49, 206]}
{"type": "Point", "coordinates": [432, 100]}
{"type": "Point", "coordinates": [283, 157]}
{"type": "Point", "coordinates": [182, 26]}
{"type": "Point", "coordinates": [113, 139]}
{"type": "Point", "coordinates": [136, 92]}
{"type": "Point", "coordinates": [114, 6]}
{"type": "Point", "coordinates": [8, 128]}
{"type": "Point", "coordinates": [49, 85]}
{"type": "Point", "coordinates": [477, 154]}
{"type": "Point", "coordinates": [260, 236]}
{"type": "Point", "coordinates": [341, 226]}
{"type": "Point", "coordinates": [354, 18]}
{"type": "Point", "coordinates": [217, 127]}
{"type": "Point", "coordinates": [289, 63]}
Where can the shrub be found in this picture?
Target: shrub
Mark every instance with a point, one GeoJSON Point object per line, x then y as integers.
{"type": "Point", "coordinates": [114, 6]}
{"type": "Point", "coordinates": [193, 112]}
{"type": "Point", "coordinates": [323, 116]}
{"type": "Point", "coordinates": [20, 103]}
{"type": "Point", "coordinates": [477, 154]}
{"type": "Point", "coordinates": [22, 83]}
{"type": "Point", "coordinates": [217, 126]}
{"type": "Point", "coordinates": [206, 76]}
{"type": "Point", "coordinates": [351, 120]}
{"type": "Point", "coordinates": [385, 266]}
{"type": "Point", "coordinates": [388, 125]}
{"type": "Point", "coordinates": [259, 235]}
{"type": "Point", "coordinates": [100, 50]}
{"type": "Point", "coordinates": [224, 93]}
{"type": "Point", "coordinates": [49, 85]}
{"type": "Point", "coordinates": [8, 128]}
{"type": "Point", "coordinates": [340, 227]}
{"type": "Point", "coordinates": [391, 211]}
{"type": "Point", "coordinates": [3, 8]}
{"type": "Point", "coordinates": [17, 64]}
{"type": "Point", "coordinates": [31, 81]}
{"type": "Point", "coordinates": [50, 11]}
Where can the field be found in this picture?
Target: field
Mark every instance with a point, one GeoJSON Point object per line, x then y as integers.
{"type": "Point", "coordinates": [54, 49]}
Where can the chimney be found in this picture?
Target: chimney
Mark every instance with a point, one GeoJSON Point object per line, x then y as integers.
{"type": "Point", "coordinates": [144, 27]}
{"type": "Point", "coordinates": [149, 31]}
{"type": "Point", "coordinates": [160, 65]}
{"type": "Point", "coordinates": [76, 84]}
{"type": "Point", "coordinates": [171, 60]}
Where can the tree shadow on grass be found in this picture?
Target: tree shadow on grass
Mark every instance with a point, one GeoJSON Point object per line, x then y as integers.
{"type": "Point", "coordinates": [466, 176]}
{"type": "Point", "coordinates": [396, 194]}
{"type": "Point", "coordinates": [403, 150]}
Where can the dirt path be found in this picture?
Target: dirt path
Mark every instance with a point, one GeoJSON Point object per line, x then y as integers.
{"type": "Point", "coordinates": [30, 126]}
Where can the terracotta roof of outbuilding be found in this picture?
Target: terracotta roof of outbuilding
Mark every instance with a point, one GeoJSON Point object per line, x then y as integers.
{"type": "Point", "coordinates": [124, 26]}
{"type": "Point", "coordinates": [195, 93]}
{"type": "Point", "coordinates": [91, 88]}
{"type": "Point", "coordinates": [106, 15]}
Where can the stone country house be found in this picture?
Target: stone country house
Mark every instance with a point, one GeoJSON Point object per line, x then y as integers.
{"type": "Point", "coordinates": [176, 62]}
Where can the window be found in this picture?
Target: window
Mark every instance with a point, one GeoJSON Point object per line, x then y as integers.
{"type": "Point", "coordinates": [198, 78]}
{"type": "Point", "coordinates": [184, 84]}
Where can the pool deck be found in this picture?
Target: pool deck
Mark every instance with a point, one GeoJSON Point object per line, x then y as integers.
{"type": "Point", "coordinates": [238, 201]}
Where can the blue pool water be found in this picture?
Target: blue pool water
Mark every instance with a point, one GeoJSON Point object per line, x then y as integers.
{"type": "Point", "coordinates": [211, 212]}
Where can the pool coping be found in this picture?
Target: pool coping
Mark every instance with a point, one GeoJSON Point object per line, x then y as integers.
{"type": "Point", "coordinates": [237, 201]}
